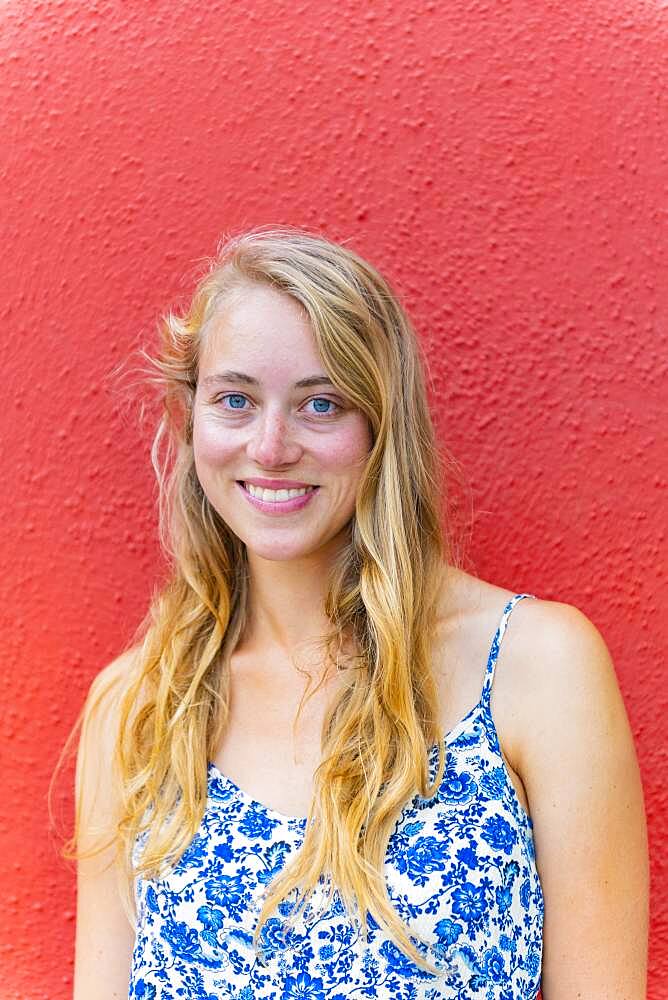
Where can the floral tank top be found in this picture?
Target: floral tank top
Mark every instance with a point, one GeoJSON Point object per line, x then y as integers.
{"type": "Point", "coordinates": [460, 870]}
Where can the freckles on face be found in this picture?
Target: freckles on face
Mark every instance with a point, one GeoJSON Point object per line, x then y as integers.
{"type": "Point", "coordinates": [267, 336]}
{"type": "Point", "coordinates": [334, 457]}
{"type": "Point", "coordinates": [211, 446]}
{"type": "Point", "coordinates": [258, 413]}
{"type": "Point", "coordinates": [346, 449]}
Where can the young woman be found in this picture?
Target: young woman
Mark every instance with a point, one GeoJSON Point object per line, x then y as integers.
{"type": "Point", "coordinates": [335, 764]}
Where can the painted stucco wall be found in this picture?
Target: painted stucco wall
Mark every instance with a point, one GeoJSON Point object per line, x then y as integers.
{"type": "Point", "coordinates": [504, 163]}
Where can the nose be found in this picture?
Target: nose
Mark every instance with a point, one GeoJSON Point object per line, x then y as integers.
{"type": "Point", "coordinates": [272, 443]}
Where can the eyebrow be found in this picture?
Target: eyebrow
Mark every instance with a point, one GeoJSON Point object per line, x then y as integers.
{"type": "Point", "coordinates": [232, 376]}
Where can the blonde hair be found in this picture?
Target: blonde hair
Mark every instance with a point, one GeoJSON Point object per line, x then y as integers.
{"type": "Point", "coordinates": [383, 590]}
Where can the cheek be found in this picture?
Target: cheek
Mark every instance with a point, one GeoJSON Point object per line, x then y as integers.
{"type": "Point", "coordinates": [210, 447]}
{"type": "Point", "coordinates": [350, 447]}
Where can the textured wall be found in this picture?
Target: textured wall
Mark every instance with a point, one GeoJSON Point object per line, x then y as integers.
{"type": "Point", "coordinates": [503, 162]}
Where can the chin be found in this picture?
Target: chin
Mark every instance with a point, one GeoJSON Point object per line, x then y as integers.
{"type": "Point", "coordinates": [277, 553]}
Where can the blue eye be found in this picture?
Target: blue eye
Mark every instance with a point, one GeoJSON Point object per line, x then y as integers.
{"type": "Point", "coordinates": [237, 396]}
{"type": "Point", "coordinates": [237, 399]}
{"type": "Point", "coordinates": [233, 396]}
{"type": "Point", "coordinates": [322, 399]}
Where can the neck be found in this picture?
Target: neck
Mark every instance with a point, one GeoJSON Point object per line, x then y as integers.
{"type": "Point", "coordinates": [286, 608]}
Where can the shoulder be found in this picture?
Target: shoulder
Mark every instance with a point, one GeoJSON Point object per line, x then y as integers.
{"type": "Point", "coordinates": [100, 724]}
{"type": "Point", "coordinates": [103, 707]}
{"type": "Point", "coordinates": [106, 690]}
{"type": "Point", "coordinates": [560, 669]}
{"type": "Point", "coordinates": [557, 644]}
{"type": "Point", "coordinates": [111, 681]}
{"type": "Point", "coordinates": [568, 734]}
{"type": "Point", "coordinates": [554, 676]}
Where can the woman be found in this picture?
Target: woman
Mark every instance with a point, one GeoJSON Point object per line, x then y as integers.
{"type": "Point", "coordinates": [337, 765]}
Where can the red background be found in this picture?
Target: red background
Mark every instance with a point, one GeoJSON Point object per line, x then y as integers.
{"type": "Point", "coordinates": [504, 163]}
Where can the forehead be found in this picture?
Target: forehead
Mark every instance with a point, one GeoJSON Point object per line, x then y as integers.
{"type": "Point", "coordinates": [259, 325]}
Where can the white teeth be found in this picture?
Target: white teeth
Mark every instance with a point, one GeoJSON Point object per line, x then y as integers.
{"type": "Point", "coordinates": [274, 496]}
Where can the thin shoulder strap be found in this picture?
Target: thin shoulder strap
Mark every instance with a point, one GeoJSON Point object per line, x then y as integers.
{"type": "Point", "coordinates": [496, 643]}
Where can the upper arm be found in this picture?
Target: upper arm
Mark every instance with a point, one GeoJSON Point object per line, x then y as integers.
{"type": "Point", "coordinates": [104, 934]}
{"type": "Point", "coordinates": [578, 763]}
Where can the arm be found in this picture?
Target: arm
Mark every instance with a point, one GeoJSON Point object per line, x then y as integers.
{"type": "Point", "coordinates": [578, 764]}
{"type": "Point", "coordinates": [104, 935]}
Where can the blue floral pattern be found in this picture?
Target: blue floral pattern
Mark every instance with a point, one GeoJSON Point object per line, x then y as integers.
{"type": "Point", "coordinates": [460, 870]}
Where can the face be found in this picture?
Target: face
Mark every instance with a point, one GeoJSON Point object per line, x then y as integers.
{"type": "Point", "coordinates": [254, 423]}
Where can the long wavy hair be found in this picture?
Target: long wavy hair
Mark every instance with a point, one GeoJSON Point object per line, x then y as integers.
{"type": "Point", "coordinates": [383, 590]}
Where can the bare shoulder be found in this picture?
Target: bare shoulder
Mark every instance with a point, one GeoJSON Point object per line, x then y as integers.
{"type": "Point", "coordinates": [554, 672]}
{"type": "Point", "coordinates": [468, 615]}
{"type": "Point", "coordinates": [111, 681]}
{"type": "Point", "coordinates": [557, 668]}
{"type": "Point", "coordinates": [100, 720]}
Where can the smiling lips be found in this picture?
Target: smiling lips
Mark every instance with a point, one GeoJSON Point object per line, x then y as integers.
{"type": "Point", "coordinates": [275, 484]}
{"type": "Point", "coordinates": [277, 501]}
{"type": "Point", "coordinates": [274, 496]}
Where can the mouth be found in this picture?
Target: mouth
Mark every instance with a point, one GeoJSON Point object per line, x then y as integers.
{"type": "Point", "coordinates": [275, 496]}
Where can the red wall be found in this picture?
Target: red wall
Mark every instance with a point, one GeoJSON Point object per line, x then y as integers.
{"type": "Point", "coordinates": [505, 163]}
